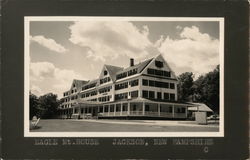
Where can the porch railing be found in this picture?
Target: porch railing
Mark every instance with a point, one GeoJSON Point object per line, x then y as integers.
{"type": "Point", "coordinates": [136, 113]}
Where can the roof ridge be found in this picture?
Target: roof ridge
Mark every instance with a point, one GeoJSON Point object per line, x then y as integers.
{"type": "Point", "coordinates": [79, 80]}
{"type": "Point", "coordinates": [112, 66]}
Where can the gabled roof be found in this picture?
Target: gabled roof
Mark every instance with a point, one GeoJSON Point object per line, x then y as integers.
{"type": "Point", "coordinates": [113, 70]}
{"type": "Point", "coordinates": [172, 71]}
{"type": "Point", "coordinates": [79, 83]}
{"type": "Point", "coordinates": [200, 107]}
{"type": "Point", "coordinates": [140, 66]}
{"type": "Point", "coordinates": [91, 81]}
{"type": "Point", "coordinates": [144, 64]}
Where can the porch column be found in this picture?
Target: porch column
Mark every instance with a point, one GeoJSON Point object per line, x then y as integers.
{"type": "Point", "coordinates": [143, 108]}
{"type": "Point", "coordinates": [128, 108]}
{"type": "Point", "coordinates": [173, 110]}
{"type": "Point", "coordinates": [73, 112]}
{"type": "Point", "coordinates": [159, 109]}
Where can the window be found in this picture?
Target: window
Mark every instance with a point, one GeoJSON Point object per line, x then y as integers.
{"type": "Point", "coordinates": [158, 84]}
{"type": "Point", "coordinates": [121, 75]}
{"type": "Point", "coordinates": [92, 99]}
{"type": "Point", "coordinates": [145, 82]}
{"type": "Point", "coordinates": [172, 97]}
{"type": "Point", "coordinates": [134, 83]}
{"type": "Point", "coordinates": [83, 96]}
{"type": "Point", "coordinates": [183, 110]}
{"type": "Point", "coordinates": [158, 95]}
{"type": "Point", "coordinates": [104, 80]}
{"type": "Point", "coordinates": [105, 73]}
{"type": "Point", "coordinates": [118, 107]}
{"type": "Point", "coordinates": [121, 96]}
{"type": "Point", "coordinates": [87, 94]}
{"type": "Point", "coordinates": [129, 72]}
{"type": "Point", "coordinates": [172, 86]}
{"type": "Point", "coordinates": [166, 108]}
{"type": "Point", "coordinates": [151, 94]}
{"type": "Point", "coordinates": [106, 109]}
{"type": "Point", "coordinates": [124, 108]}
{"type": "Point", "coordinates": [155, 83]}
{"type": "Point", "coordinates": [121, 86]}
{"type": "Point", "coordinates": [105, 89]}
{"type": "Point", "coordinates": [170, 109]}
{"type": "Point", "coordinates": [145, 94]}
{"type": "Point", "coordinates": [146, 107]}
{"type": "Point", "coordinates": [166, 96]}
{"type": "Point", "coordinates": [93, 93]}
{"type": "Point", "coordinates": [134, 107]}
{"type": "Point", "coordinates": [151, 83]}
{"type": "Point", "coordinates": [180, 110]}
{"type": "Point", "coordinates": [158, 72]}
{"type": "Point", "coordinates": [112, 108]}
{"type": "Point", "coordinates": [166, 85]}
{"type": "Point", "coordinates": [101, 109]}
{"type": "Point", "coordinates": [132, 72]}
{"type": "Point", "coordinates": [159, 64]}
{"type": "Point", "coordinates": [151, 71]}
{"type": "Point", "coordinates": [89, 86]}
{"type": "Point", "coordinates": [166, 74]}
{"type": "Point", "coordinates": [134, 94]}
{"type": "Point", "coordinates": [104, 99]}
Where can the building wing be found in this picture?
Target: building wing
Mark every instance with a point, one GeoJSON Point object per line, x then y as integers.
{"type": "Point", "coordinates": [159, 67]}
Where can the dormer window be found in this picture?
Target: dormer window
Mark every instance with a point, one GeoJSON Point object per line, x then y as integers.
{"type": "Point", "coordinates": [105, 73]}
{"type": "Point", "coordinates": [159, 64]}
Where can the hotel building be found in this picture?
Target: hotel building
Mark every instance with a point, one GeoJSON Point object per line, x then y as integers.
{"type": "Point", "coordinates": [144, 90]}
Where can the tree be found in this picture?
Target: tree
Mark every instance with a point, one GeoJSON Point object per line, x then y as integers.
{"type": "Point", "coordinates": [207, 89]}
{"type": "Point", "coordinates": [185, 85]}
{"type": "Point", "coordinates": [45, 106]}
{"type": "Point", "coordinates": [49, 105]}
{"type": "Point", "coordinates": [204, 90]}
{"type": "Point", "coordinates": [34, 102]}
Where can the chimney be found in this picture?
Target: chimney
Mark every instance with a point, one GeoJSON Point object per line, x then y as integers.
{"type": "Point", "coordinates": [131, 62]}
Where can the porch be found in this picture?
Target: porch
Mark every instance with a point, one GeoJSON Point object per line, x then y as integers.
{"type": "Point", "coordinates": [139, 107]}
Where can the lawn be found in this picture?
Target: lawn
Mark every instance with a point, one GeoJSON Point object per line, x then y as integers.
{"type": "Point", "coordinates": [58, 125]}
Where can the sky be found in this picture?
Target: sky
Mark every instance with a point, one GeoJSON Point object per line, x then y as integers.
{"type": "Point", "coordinates": [61, 51]}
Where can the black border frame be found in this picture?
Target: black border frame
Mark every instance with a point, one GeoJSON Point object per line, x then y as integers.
{"type": "Point", "coordinates": [234, 145]}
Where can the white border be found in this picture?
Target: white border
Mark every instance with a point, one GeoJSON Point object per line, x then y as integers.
{"type": "Point", "coordinates": [27, 132]}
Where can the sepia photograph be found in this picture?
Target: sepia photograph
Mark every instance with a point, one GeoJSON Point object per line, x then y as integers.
{"type": "Point", "coordinates": [124, 77]}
